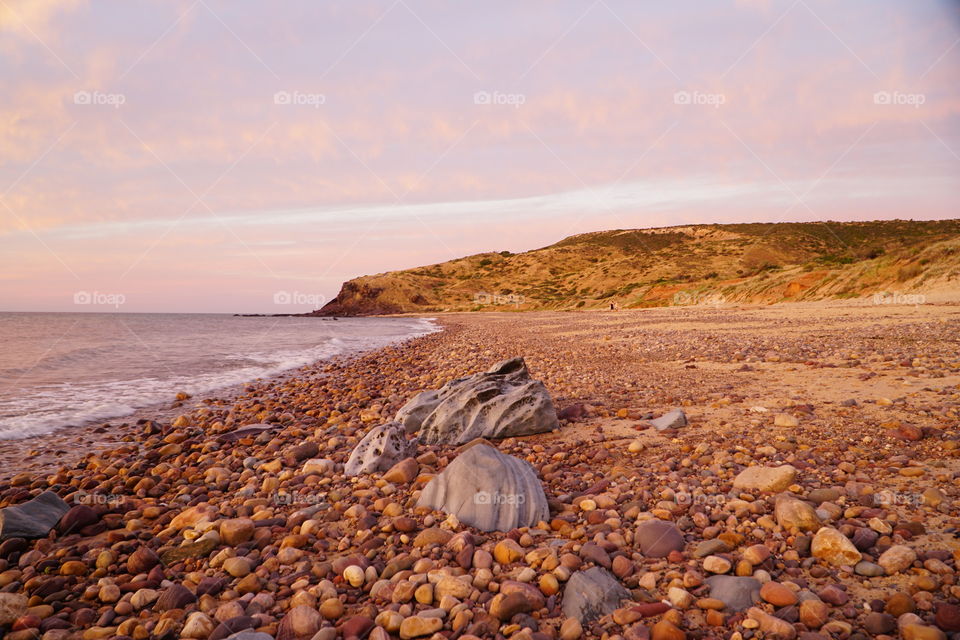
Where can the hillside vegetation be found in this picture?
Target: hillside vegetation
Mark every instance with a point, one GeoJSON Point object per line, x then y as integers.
{"type": "Point", "coordinates": [698, 264]}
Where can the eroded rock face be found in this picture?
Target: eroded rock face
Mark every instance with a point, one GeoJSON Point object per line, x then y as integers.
{"type": "Point", "coordinates": [488, 490]}
{"type": "Point", "coordinates": [380, 449]}
{"type": "Point", "coordinates": [591, 594]}
{"type": "Point", "coordinates": [34, 518]}
{"type": "Point", "coordinates": [500, 403]}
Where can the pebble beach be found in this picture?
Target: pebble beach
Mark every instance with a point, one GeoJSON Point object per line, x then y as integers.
{"type": "Point", "coordinates": [812, 494]}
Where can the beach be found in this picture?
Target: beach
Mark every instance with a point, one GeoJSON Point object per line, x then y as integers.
{"type": "Point", "coordinates": [860, 400]}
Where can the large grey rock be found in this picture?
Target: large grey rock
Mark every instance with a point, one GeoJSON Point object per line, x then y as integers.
{"type": "Point", "coordinates": [380, 449]}
{"type": "Point", "coordinates": [488, 490]}
{"type": "Point", "coordinates": [500, 403]}
{"type": "Point", "coordinates": [34, 518]}
{"type": "Point", "coordinates": [737, 593]}
{"type": "Point", "coordinates": [592, 594]}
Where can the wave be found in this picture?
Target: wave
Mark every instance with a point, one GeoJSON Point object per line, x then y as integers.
{"type": "Point", "coordinates": [46, 408]}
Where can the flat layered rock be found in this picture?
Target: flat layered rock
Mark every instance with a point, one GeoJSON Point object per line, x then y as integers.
{"type": "Point", "coordinates": [488, 490]}
{"type": "Point", "coordinates": [500, 403]}
{"type": "Point", "coordinates": [34, 518]}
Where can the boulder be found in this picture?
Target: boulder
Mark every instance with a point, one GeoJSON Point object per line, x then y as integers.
{"type": "Point", "coordinates": [380, 449]}
{"type": "Point", "coordinates": [737, 593]}
{"type": "Point", "coordinates": [488, 490]}
{"type": "Point", "coordinates": [591, 594]}
{"type": "Point", "coordinates": [34, 518]}
{"type": "Point", "coordinates": [500, 403]}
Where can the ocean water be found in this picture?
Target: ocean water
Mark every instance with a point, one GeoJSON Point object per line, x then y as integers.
{"type": "Point", "coordinates": [63, 369]}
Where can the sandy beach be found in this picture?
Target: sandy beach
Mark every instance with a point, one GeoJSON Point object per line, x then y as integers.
{"type": "Point", "coordinates": [860, 400]}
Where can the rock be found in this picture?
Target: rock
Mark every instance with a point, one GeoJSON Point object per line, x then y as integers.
{"type": "Point", "coordinates": [796, 515]}
{"type": "Point", "coordinates": [879, 623]}
{"type": "Point", "coordinates": [868, 569]}
{"type": "Point", "coordinates": [591, 594]}
{"type": "Point", "coordinates": [814, 613]}
{"type": "Point", "coordinates": [247, 431]}
{"type": "Point", "coordinates": [948, 616]}
{"type": "Point", "coordinates": [772, 625]}
{"type": "Point", "coordinates": [142, 560]}
{"type": "Point", "coordinates": [834, 548]}
{"type": "Point", "coordinates": [34, 518]}
{"type": "Point", "coordinates": [899, 604]}
{"type": "Point", "coordinates": [488, 490]}
{"type": "Point", "coordinates": [248, 635]}
{"type": "Point", "coordinates": [12, 606]}
{"type": "Point", "coordinates": [674, 419]}
{"type": "Point", "coordinates": [416, 626]}
{"type": "Point", "coordinates": [380, 449]}
{"type": "Point", "coordinates": [417, 409]}
{"type": "Point", "coordinates": [571, 629]}
{"type": "Point", "coordinates": [921, 632]}
{"type": "Point", "coordinates": [404, 471]}
{"type": "Point", "coordinates": [175, 597]}
{"type": "Point", "coordinates": [236, 531]}
{"type": "Point", "coordinates": [354, 575]}
{"type": "Point", "coordinates": [300, 623]}
{"type": "Point", "coordinates": [198, 625]}
{"type": "Point", "coordinates": [317, 466]}
{"type": "Point", "coordinates": [507, 551]}
{"type": "Point", "coordinates": [503, 402]}
{"type": "Point", "coordinates": [357, 627]}
{"type": "Point", "coordinates": [78, 517]}
{"type": "Point", "coordinates": [736, 593]}
{"type": "Point", "coordinates": [785, 420]}
{"type": "Point", "coordinates": [657, 538]}
{"type": "Point", "coordinates": [766, 478]}
{"type": "Point", "coordinates": [716, 564]}
{"type": "Point", "coordinates": [201, 548]}
{"type": "Point", "coordinates": [666, 630]}
{"type": "Point", "coordinates": [777, 594]}
{"type": "Point", "coordinates": [896, 559]}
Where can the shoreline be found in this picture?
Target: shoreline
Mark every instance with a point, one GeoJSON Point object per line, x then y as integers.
{"type": "Point", "coordinates": [859, 401]}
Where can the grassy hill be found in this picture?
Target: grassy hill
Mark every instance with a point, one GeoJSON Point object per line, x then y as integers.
{"type": "Point", "coordinates": [698, 264]}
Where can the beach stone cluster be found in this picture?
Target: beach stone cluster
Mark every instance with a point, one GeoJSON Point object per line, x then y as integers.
{"type": "Point", "coordinates": [262, 517]}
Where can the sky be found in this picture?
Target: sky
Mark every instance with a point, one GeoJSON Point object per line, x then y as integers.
{"type": "Point", "coordinates": [240, 156]}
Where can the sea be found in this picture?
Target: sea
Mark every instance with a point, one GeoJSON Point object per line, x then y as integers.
{"type": "Point", "coordinates": [59, 370]}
